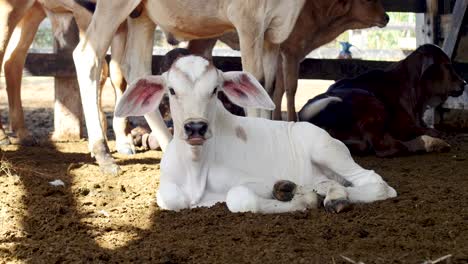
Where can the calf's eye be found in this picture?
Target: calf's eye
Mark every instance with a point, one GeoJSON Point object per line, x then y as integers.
{"type": "Point", "coordinates": [214, 90]}
{"type": "Point", "coordinates": [171, 91]}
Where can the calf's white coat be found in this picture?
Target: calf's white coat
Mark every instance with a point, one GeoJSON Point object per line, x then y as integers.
{"type": "Point", "coordinates": [241, 157]}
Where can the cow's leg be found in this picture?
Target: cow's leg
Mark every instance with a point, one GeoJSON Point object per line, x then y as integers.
{"type": "Point", "coordinates": [202, 47]}
{"type": "Point", "coordinates": [279, 90]}
{"type": "Point", "coordinates": [15, 57]}
{"type": "Point", "coordinates": [251, 39]}
{"type": "Point", "coordinates": [256, 198]}
{"type": "Point", "coordinates": [291, 76]}
{"type": "Point", "coordinates": [138, 55]}
{"type": "Point", "coordinates": [373, 129]}
{"type": "Point", "coordinates": [426, 143]}
{"type": "Point", "coordinates": [124, 141]}
{"type": "Point", "coordinates": [333, 157]}
{"type": "Point", "coordinates": [270, 65]}
{"type": "Point", "coordinates": [11, 12]}
{"type": "Point", "coordinates": [88, 57]}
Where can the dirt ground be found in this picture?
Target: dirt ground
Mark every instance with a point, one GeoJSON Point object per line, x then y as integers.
{"type": "Point", "coordinates": [98, 218]}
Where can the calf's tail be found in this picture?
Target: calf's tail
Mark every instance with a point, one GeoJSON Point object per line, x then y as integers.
{"type": "Point", "coordinates": [312, 109]}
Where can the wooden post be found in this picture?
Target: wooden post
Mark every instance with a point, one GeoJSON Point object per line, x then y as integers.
{"type": "Point", "coordinates": [426, 28]}
{"type": "Point", "coordinates": [68, 112]}
{"type": "Point", "coordinates": [458, 15]}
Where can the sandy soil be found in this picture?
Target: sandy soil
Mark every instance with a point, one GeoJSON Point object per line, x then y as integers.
{"type": "Point", "coordinates": [98, 218]}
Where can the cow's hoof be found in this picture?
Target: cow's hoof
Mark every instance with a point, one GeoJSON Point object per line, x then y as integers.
{"type": "Point", "coordinates": [107, 164]}
{"type": "Point", "coordinates": [28, 141]}
{"type": "Point", "coordinates": [4, 140]}
{"type": "Point", "coordinates": [284, 190]}
{"type": "Point", "coordinates": [104, 159]}
{"type": "Point", "coordinates": [336, 206]}
{"type": "Point", "coordinates": [137, 135]}
{"type": "Point", "coordinates": [110, 169]}
{"type": "Point", "coordinates": [125, 150]}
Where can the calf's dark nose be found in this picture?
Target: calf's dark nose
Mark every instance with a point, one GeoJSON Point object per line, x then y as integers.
{"type": "Point", "coordinates": [195, 128]}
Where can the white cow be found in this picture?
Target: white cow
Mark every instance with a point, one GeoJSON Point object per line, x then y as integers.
{"type": "Point", "coordinates": [218, 157]}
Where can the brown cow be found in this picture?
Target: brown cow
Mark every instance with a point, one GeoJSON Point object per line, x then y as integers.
{"type": "Point", "coordinates": [319, 23]}
{"type": "Point", "coordinates": [381, 111]}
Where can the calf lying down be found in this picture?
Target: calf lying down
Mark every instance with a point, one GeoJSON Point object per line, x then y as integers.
{"type": "Point", "coordinates": [381, 111]}
{"type": "Point", "coordinates": [252, 164]}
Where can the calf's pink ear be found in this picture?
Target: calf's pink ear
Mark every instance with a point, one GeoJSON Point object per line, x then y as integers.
{"type": "Point", "coordinates": [244, 90]}
{"type": "Point", "coordinates": [141, 97]}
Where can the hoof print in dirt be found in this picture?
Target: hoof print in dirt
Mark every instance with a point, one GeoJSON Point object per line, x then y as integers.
{"type": "Point", "coordinates": [284, 190]}
{"type": "Point", "coordinates": [337, 206]}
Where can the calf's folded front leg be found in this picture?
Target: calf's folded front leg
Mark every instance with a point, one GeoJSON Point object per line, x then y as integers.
{"type": "Point", "coordinates": [170, 197]}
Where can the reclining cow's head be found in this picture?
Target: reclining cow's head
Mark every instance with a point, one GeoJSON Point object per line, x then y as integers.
{"type": "Point", "coordinates": [192, 84]}
{"type": "Point", "coordinates": [361, 13]}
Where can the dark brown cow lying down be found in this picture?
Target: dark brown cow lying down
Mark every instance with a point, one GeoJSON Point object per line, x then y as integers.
{"type": "Point", "coordinates": [381, 111]}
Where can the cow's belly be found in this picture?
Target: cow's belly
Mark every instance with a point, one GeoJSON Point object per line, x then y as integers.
{"type": "Point", "coordinates": [186, 20]}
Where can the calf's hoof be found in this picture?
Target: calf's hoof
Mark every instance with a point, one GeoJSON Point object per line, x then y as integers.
{"type": "Point", "coordinates": [434, 144]}
{"type": "Point", "coordinates": [336, 206]}
{"type": "Point", "coordinates": [284, 190]}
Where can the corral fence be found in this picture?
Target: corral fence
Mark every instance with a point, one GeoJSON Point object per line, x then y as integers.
{"type": "Point", "coordinates": [438, 22]}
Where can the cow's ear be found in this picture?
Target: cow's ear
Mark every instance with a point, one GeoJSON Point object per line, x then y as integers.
{"type": "Point", "coordinates": [426, 64]}
{"type": "Point", "coordinates": [339, 8]}
{"type": "Point", "coordinates": [244, 90]}
{"type": "Point", "coordinates": [141, 97]}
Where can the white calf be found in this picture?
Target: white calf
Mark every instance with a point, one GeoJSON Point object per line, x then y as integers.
{"type": "Point", "coordinates": [218, 157]}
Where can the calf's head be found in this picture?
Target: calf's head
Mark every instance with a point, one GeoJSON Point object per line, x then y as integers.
{"type": "Point", "coordinates": [360, 13]}
{"type": "Point", "coordinates": [192, 83]}
{"type": "Point", "coordinates": [437, 77]}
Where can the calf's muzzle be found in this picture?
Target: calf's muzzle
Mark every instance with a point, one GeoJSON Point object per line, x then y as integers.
{"type": "Point", "coordinates": [195, 131]}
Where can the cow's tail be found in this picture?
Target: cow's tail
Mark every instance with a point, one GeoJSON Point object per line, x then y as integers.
{"type": "Point", "coordinates": [312, 109]}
